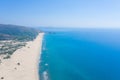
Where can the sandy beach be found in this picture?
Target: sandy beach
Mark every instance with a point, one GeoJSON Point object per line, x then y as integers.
{"type": "Point", "coordinates": [23, 64]}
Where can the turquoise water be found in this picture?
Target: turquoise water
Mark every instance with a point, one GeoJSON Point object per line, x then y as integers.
{"type": "Point", "coordinates": [81, 54]}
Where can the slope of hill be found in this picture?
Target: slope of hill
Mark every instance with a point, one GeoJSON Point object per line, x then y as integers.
{"type": "Point", "coordinates": [14, 32]}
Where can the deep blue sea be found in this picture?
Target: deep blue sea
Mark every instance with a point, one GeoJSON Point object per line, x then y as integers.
{"type": "Point", "coordinates": [80, 54]}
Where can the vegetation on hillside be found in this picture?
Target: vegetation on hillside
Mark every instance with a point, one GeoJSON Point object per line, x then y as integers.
{"type": "Point", "coordinates": [13, 32]}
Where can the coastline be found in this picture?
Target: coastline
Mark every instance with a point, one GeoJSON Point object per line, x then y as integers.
{"type": "Point", "coordinates": [24, 63]}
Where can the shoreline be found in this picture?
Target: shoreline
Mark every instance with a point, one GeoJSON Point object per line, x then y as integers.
{"type": "Point", "coordinates": [24, 62]}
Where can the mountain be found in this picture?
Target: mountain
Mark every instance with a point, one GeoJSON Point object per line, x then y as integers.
{"type": "Point", "coordinates": [15, 32]}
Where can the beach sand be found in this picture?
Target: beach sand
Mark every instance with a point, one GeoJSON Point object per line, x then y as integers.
{"type": "Point", "coordinates": [23, 64]}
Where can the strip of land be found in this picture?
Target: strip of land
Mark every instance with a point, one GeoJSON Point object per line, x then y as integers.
{"type": "Point", "coordinates": [23, 64]}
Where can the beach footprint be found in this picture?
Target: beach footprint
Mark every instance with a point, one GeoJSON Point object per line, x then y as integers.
{"type": "Point", "coordinates": [2, 77]}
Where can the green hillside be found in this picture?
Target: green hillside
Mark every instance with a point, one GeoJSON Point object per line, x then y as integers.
{"type": "Point", "coordinates": [14, 32]}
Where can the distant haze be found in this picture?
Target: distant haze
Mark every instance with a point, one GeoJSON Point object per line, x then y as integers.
{"type": "Point", "coordinates": [61, 13]}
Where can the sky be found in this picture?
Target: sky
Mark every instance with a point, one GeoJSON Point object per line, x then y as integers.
{"type": "Point", "coordinates": [61, 13]}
